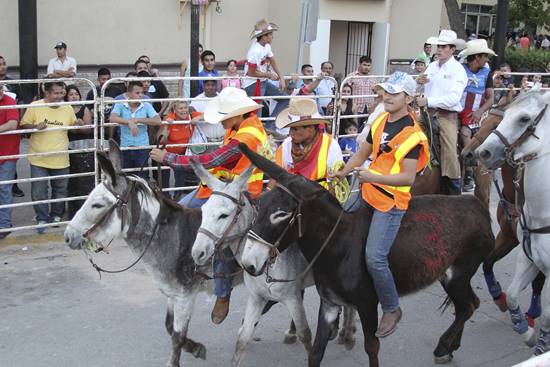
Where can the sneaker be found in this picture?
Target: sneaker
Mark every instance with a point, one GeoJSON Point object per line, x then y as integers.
{"type": "Point", "coordinates": [16, 191]}
{"type": "Point", "coordinates": [468, 185]}
{"type": "Point", "coordinates": [41, 230]}
{"type": "Point", "coordinates": [56, 220]}
{"type": "Point", "coordinates": [4, 235]}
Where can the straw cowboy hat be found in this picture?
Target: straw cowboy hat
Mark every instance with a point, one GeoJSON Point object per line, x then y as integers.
{"type": "Point", "coordinates": [300, 112]}
{"type": "Point", "coordinates": [263, 27]}
{"type": "Point", "coordinates": [447, 37]}
{"type": "Point", "coordinates": [229, 103]}
{"type": "Point", "coordinates": [478, 46]}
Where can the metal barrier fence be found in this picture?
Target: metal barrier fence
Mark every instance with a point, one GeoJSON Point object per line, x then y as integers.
{"type": "Point", "coordinates": [99, 124]}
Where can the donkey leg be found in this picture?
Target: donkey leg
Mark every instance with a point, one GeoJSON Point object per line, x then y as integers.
{"type": "Point", "coordinates": [290, 334]}
{"type": "Point", "coordinates": [252, 315]}
{"type": "Point", "coordinates": [368, 313]}
{"type": "Point", "coordinates": [296, 308]}
{"type": "Point", "coordinates": [526, 271]}
{"type": "Point", "coordinates": [535, 308]}
{"type": "Point", "coordinates": [543, 343]}
{"type": "Point", "coordinates": [169, 323]}
{"type": "Point", "coordinates": [493, 285]}
{"type": "Point", "coordinates": [183, 308]}
{"type": "Point", "coordinates": [328, 312]}
{"type": "Point", "coordinates": [347, 334]}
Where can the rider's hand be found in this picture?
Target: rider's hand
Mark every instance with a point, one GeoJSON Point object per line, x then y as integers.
{"type": "Point", "coordinates": [158, 155]}
{"type": "Point", "coordinates": [421, 102]}
{"type": "Point", "coordinates": [364, 175]}
{"type": "Point", "coordinates": [475, 117]}
{"type": "Point", "coordinates": [423, 79]}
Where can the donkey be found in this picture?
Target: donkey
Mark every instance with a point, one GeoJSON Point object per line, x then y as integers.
{"type": "Point", "coordinates": [441, 238]}
{"type": "Point", "coordinates": [521, 139]}
{"type": "Point", "coordinates": [506, 239]}
{"type": "Point", "coordinates": [229, 213]}
{"type": "Point", "coordinates": [147, 216]}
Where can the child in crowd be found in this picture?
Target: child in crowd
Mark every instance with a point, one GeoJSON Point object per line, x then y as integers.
{"type": "Point", "coordinates": [349, 144]}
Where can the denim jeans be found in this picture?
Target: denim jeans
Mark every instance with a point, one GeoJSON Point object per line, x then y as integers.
{"type": "Point", "coordinates": [179, 176]}
{"type": "Point", "coordinates": [39, 191]}
{"type": "Point", "coordinates": [222, 286]}
{"type": "Point", "coordinates": [134, 159]}
{"type": "Point", "coordinates": [269, 89]}
{"type": "Point", "coordinates": [7, 172]}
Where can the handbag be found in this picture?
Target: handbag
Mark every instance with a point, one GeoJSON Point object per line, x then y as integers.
{"type": "Point", "coordinates": [198, 137]}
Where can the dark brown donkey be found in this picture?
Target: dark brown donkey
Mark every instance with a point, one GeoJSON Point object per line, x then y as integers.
{"type": "Point", "coordinates": [506, 239]}
{"type": "Point", "coordinates": [441, 238]}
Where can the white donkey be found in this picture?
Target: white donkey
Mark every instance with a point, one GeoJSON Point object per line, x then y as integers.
{"type": "Point", "coordinates": [231, 203]}
{"type": "Point", "coordinates": [522, 139]}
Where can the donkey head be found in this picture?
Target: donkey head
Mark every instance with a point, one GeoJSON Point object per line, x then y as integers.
{"type": "Point", "coordinates": [277, 213]}
{"type": "Point", "coordinates": [99, 202]}
{"type": "Point", "coordinates": [219, 212]}
{"type": "Point", "coordinates": [488, 124]}
{"type": "Point", "coordinates": [524, 131]}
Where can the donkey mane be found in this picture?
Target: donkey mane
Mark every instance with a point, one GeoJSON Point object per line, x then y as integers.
{"type": "Point", "coordinates": [145, 188]}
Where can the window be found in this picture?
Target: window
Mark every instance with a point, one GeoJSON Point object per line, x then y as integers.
{"type": "Point", "coordinates": [478, 20]}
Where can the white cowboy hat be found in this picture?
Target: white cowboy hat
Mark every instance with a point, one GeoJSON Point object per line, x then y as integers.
{"type": "Point", "coordinates": [447, 37]}
{"type": "Point", "coordinates": [229, 103]}
{"type": "Point", "coordinates": [477, 46]}
{"type": "Point", "coordinates": [263, 27]}
{"type": "Point", "coordinates": [300, 112]}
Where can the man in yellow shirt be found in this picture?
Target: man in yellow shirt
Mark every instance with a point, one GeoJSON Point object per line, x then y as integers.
{"type": "Point", "coordinates": [43, 141]}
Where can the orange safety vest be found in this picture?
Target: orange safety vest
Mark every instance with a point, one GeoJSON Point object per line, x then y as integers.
{"type": "Point", "coordinates": [383, 197]}
{"type": "Point", "coordinates": [319, 174]}
{"type": "Point", "coordinates": [251, 132]}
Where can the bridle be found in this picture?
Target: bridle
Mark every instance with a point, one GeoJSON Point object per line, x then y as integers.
{"type": "Point", "coordinates": [530, 131]}
{"type": "Point", "coordinates": [218, 241]}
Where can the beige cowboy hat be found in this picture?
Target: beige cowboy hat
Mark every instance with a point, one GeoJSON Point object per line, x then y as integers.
{"type": "Point", "coordinates": [229, 103]}
{"type": "Point", "coordinates": [300, 112]}
{"type": "Point", "coordinates": [447, 37]}
{"type": "Point", "coordinates": [263, 27]}
{"type": "Point", "coordinates": [478, 46]}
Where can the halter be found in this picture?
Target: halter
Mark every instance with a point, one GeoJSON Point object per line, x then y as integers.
{"type": "Point", "coordinates": [218, 241]}
{"type": "Point", "coordinates": [509, 148]}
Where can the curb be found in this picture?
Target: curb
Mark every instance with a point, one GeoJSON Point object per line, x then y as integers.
{"type": "Point", "coordinates": [40, 239]}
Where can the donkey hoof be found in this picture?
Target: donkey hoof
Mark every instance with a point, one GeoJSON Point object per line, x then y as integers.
{"type": "Point", "coordinates": [333, 333]}
{"type": "Point", "coordinates": [530, 337]}
{"type": "Point", "coordinates": [350, 344]}
{"type": "Point", "coordinates": [501, 303]}
{"type": "Point", "coordinates": [200, 352]}
{"type": "Point", "coordinates": [290, 338]}
{"type": "Point", "coordinates": [443, 359]}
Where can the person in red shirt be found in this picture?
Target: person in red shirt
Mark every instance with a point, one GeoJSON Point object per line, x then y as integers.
{"type": "Point", "coordinates": [9, 145]}
{"type": "Point", "coordinates": [525, 43]}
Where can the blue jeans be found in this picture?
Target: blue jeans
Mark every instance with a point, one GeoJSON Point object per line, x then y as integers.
{"type": "Point", "coordinates": [179, 176]}
{"type": "Point", "coordinates": [269, 89]}
{"type": "Point", "coordinates": [7, 172]}
{"type": "Point", "coordinates": [39, 191]}
{"type": "Point", "coordinates": [222, 287]}
{"type": "Point", "coordinates": [134, 159]}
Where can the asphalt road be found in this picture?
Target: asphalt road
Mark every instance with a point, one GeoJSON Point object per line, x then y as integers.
{"type": "Point", "coordinates": [55, 311]}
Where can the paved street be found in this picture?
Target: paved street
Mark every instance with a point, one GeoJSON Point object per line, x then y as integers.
{"type": "Point", "coordinates": [55, 311]}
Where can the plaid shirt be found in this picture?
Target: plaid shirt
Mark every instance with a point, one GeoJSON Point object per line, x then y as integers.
{"type": "Point", "coordinates": [362, 87]}
{"type": "Point", "coordinates": [226, 156]}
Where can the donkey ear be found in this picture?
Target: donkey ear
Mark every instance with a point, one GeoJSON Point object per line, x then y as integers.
{"type": "Point", "coordinates": [212, 182]}
{"type": "Point", "coordinates": [274, 171]}
{"type": "Point", "coordinates": [316, 194]}
{"type": "Point", "coordinates": [107, 167]}
{"type": "Point", "coordinates": [115, 155]}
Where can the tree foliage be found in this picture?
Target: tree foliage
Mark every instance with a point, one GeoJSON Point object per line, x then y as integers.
{"type": "Point", "coordinates": [532, 13]}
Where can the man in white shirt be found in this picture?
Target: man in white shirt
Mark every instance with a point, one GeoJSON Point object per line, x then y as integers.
{"type": "Point", "coordinates": [63, 66]}
{"type": "Point", "coordinates": [545, 44]}
{"type": "Point", "coordinates": [212, 132]}
{"type": "Point", "coordinates": [326, 87]}
{"type": "Point", "coordinates": [444, 82]}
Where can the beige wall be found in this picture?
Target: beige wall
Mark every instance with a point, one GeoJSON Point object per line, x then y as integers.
{"type": "Point", "coordinates": [355, 10]}
{"type": "Point", "coordinates": [9, 42]}
{"type": "Point", "coordinates": [338, 46]}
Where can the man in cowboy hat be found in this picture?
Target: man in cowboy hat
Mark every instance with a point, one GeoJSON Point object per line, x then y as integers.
{"type": "Point", "coordinates": [256, 67]}
{"type": "Point", "coordinates": [478, 95]}
{"type": "Point", "coordinates": [444, 82]}
{"type": "Point", "coordinates": [307, 151]}
{"type": "Point", "coordinates": [399, 149]}
{"type": "Point", "coordinates": [232, 108]}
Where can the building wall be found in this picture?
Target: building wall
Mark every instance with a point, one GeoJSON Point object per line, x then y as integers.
{"type": "Point", "coordinates": [445, 18]}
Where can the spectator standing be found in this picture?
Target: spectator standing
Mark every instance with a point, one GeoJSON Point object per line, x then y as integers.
{"type": "Point", "coordinates": [545, 44]}
{"type": "Point", "coordinates": [505, 71]}
{"type": "Point", "coordinates": [62, 66]}
{"type": "Point", "coordinates": [362, 86]}
{"type": "Point", "coordinates": [349, 144]}
{"type": "Point", "coordinates": [524, 41]}
{"type": "Point", "coordinates": [135, 116]}
{"type": "Point", "coordinates": [419, 66]}
{"type": "Point", "coordinates": [477, 97]}
{"type": "Point", "coordinates": [256, 67]}
{"type": "Point", "coordinates": [326, 86]}
{"type": "Point", "coordinates": [500, 95]}
{"type": "Point", "coordinates": [347, 107]}
{"type": "Point", "coordinates": [45, 118]}
{"type": "Point", "coordinates": [184, 87]}
{"type": "Point", "coordinates": [9, 145]}
{"type": "Point", "coordinates": [231, 71]}
{"type": "Point", "coordinates": [112, 91]}
{"type": "Point", "coordinates": [208, 62]}
{"type": "Point", "coordinates": [517, 41]}
{"type": "Point", "coordinates": [444, 83]}
{"type": "Point", "coordinates": [156, 89]}
{"type": "Point", "coordinates": [150, 69]}
{"type": "Point", "coordinates": [212, 132]}
{"type": "Point", "coordinates": [81, 112]}
{"type": "Point", "coordinates": [424, 55]}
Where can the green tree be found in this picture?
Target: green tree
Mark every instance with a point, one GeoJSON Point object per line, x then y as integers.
{"type": "Point", "coordinates": [532, 13]}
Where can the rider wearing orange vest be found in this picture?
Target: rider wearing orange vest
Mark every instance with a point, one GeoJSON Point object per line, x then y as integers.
{"type": "Point", "coordinates": [399, 149]}
{"type": "Point", "coordinates": [232, 108]}
{"type": "Point", "coordinates": [307, 151]}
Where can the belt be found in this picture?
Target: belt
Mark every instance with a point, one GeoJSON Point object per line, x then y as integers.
{"type": "Point", "coordinates": [439, 112]}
